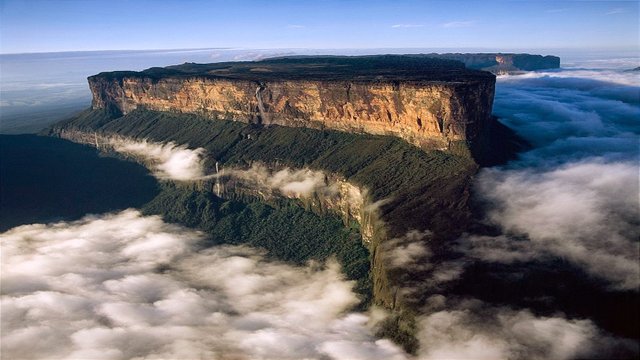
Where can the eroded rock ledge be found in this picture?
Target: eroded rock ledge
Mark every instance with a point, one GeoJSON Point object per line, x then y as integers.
{"type": "Point", "coordinates": [431, 103]}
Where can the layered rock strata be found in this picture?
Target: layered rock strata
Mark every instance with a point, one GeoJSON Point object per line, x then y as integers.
{"type": "Point", "coordinates": [431, 106]}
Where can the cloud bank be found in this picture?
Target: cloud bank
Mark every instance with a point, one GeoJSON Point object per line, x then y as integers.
{"type": "Point", "coordinates": [295, 183]}
{"type": "Point", "coordinates": [575, 195]}
{"type": "Point", "coordinates": [124, 286]}
{"type": "Point", "coordinates": [585, 212]}
{"type": "Point", "coordinates": [167, 161]}
{"type": "Point", "coordinates": [474, 330]}
{"type": "Point", "coordinates": [466, 328]}
{"type": "Point", "coordinates": [417, 269]}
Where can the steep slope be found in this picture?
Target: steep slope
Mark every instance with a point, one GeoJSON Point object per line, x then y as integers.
{"type": "Point", "coordinates": [412, 189]}
{"type": "Point", "coordinates": [431, 103]}
{"type": "Point", "coordinates": [332, 115]}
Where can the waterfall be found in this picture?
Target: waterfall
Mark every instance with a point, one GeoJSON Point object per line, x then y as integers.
{"type": "Point", "coordinates": [217, 180]}
{"type": "Point", "coordinates": [263, 116]}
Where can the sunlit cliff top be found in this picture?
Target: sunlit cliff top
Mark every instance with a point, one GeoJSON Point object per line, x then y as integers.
{"type": "Point", "coordinates": [383, 68]}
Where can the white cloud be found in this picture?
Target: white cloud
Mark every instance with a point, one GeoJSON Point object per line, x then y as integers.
{"type": "Point", "coordinates": [288, 182]}
{"type": "Point", "coordinates": [168, 161]}
{"type": "Point", "coordinates": [407, 26]}
{"type": "Point", "coordinates": [615, 11]}
{"type": "Point", "coordinates": [295, 26]}
{"type": "Point", "coordinates": [126, 286]}
{"type": "Point", "coordinates": [297, 182]}
{"type": "Point", "coordinates": [585, 212]}
{"type": "Point", "coordinates": [408, 251]}
{"type": "Point", "coordinates": [178, 162]}
{"type": "Point", "coordinates": [577, 77]}
{"type": "Point", "coordinates": [459, 24]}
{"type": "Point", "coordinates": [500, 249]}
{"type": "Point", "coordinates": [575, 195]}
{"type": "Point", "coordinates": [294, 183]}
{"type": "Point", "coordinates": [414, 268]}
{"type": "Point", "coordinates": [475, 330]}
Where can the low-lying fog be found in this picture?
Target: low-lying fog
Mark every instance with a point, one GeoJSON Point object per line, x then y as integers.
{"type": "Point", "coordinates": [120, 286]}
{"type": "Point", "coordinates": [575, 195]}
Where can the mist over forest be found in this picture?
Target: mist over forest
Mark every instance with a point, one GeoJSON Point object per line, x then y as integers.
{"type": "Point", "coordinates": [117, 281]}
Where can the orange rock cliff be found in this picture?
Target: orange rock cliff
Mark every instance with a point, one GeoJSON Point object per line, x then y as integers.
{"type": "Point", "coordinates": [428, 102]}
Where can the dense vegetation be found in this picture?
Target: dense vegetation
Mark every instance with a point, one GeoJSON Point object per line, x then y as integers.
{"type": "Point", "coordinates": [434, 183]}
{"type": "Point", "coordinates": [284, 229]}
{"type": "Point", "coordinates": [422, 190]}
{"type": "Point", "coordinates": [68, 180]}
{"type": "Point", "coordinates": [325, 68]}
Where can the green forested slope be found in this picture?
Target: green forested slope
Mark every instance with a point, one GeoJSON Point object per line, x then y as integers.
{"type": "Point", "coordinates": [284, 229]}
{"type": "Point", "coordinates": [424, 189]}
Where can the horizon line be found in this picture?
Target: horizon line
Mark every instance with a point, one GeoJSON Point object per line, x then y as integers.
{"type": "Point", "coordinates": [321, 48]}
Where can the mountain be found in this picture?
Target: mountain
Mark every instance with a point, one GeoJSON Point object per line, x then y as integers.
{"type": "Point", "coordinates": [392, 141]}
{"type": "Point", "coordinates": [503, 63]}
{"type": "Point", "coordinates": [428, 102]}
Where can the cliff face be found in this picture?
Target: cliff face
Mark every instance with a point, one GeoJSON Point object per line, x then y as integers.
{"type": "Point", "coordinates": [385, 185]}
{"type": "Point", "coordinates": [499, 63]}
{"type": "Point", "coordinates": [336, 195]}
{"type": "Point", "coordinates": [427, 113]}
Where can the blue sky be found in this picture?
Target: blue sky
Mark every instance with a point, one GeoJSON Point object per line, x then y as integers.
{"type": "Point", "coordinates": [75, 25]}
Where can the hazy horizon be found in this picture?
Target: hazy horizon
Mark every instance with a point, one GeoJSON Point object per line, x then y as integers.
{"type": "Point", "coordinates": [540, 51]}
{"type": "Point", "coordinates": [54, 26]}
{"type": "Point", "coordinates": [41, 88]}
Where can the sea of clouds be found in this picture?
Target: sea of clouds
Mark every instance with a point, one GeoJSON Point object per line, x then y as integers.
{"type": "Point", "coordinates": [167, 161]}
{"type": "Point", "coordinates": [127, 286]}
{"type": "Point", "coordinates": [575, 195]}
{"type": "Point", "coordinates": [463, 327]}
{"type": "Point", "coordinates": [122, 286]}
